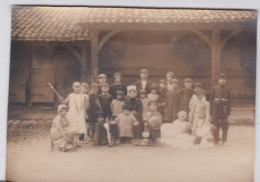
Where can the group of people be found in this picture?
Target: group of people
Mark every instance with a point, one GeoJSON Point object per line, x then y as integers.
{"type": "Point", "coordinates": [144, 113]}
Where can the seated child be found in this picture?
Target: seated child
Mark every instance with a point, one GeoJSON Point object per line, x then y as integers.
{"type": "Point", "coordinates": [100, 133]}
{"type": "Point", "coordinates": [154, 92]}
{"type": "Point", "coordinates": [153, 121]}
{"type": "Point", "coordinates": [144, 100]}
{"type": "Point", "coordinates": [60, 132]}
{"type": "Point", "coordinates": [125, 122]}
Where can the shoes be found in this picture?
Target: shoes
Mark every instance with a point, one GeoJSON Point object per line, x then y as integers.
{"type": "Point", "coordinates": [225, 143]}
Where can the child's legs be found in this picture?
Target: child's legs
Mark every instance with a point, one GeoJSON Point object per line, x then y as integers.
{"type": "Point", "coordinates": [216, 132]}
{"type": "Point", "coordinates": [224, 126]}
{"type": "Point", "coordinates": [114, 131]}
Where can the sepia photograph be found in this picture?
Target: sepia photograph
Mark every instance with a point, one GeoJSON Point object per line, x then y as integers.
{"type": "Point", "coordinates": [114, 94]}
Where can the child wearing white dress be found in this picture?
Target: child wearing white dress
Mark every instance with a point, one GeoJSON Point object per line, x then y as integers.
{"type": "Point", "coordinates": [77, 110]}
{"type": "Point", "coordinates": [84, 87]}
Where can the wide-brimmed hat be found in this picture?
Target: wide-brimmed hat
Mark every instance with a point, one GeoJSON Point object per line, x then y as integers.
{"type": "Point", "coordinates": [62, 106]}
{"type": "Point", "coordinates": [144, 71]}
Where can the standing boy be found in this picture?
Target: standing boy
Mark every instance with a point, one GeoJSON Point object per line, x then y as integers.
{"type": "Point", "coordinates": [105, 100]}
{"type": "Point", "coordinates": [162, 95]}
{"type": "Point", "coordinates": [94, 106]}
{"type": "Point", "coordinates": [220, 108]}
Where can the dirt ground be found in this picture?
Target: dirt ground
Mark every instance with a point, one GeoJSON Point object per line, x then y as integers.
{"type": "Point", "coordinates": [29, 160]}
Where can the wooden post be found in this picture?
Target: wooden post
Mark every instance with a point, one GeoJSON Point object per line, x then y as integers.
{"type": "Point", "coordinates": [83, 60]}
{"type": "Point", "coordinates": [94, 55]}
{"type": "Point", "coordinates": [215, 56]}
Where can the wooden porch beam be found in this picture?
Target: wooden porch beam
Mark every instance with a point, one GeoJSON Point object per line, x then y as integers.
{"type": "Point", "coordinates": [74, 52]}
{"type": "Point", "coordinates": [215, 55]}
{"type": "Point", "coordinates": [94, 55]}
{"type": "Point", "coordinates": [228, 37]}
{"type": "Point", "coordinates": [106, 38]}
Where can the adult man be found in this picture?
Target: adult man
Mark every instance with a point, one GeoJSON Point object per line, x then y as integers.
{"type": "Point", "coordinates": [143, 83]}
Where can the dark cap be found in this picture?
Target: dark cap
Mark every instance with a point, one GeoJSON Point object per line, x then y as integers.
{"type": "Point", "coordinates": [152, 101]}
{"type": "Point", "coordinates": [188, 80]}
{"type": "Point", "coordinates": [144, 71]}
{"type": "Point", "coordinates": [102, 76]}
{"type": "Point", "coordinates": [127, 107]}
{"type": "Point", "coordinates": [222, 76]}
{"type": "Point", "coordinates": [94, 85]}
{"type": "Point", "coordinates": [174, 80]}
{"type": "Point", "coordinates": [199, 85]}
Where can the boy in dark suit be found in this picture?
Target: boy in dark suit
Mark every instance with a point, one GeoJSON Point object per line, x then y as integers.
{"type": "Point", "coordinates": [220, 108]}
{"type": "Point", "coordinates": [143, 83]}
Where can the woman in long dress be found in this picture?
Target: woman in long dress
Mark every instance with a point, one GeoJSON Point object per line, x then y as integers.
{"type": "Point", "coordinates": [60, 132]}
{"type": "Point", "coordinates": [77, 110]}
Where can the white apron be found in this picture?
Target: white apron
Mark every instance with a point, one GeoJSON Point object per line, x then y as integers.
{"type": "Point", "coordinates": [76, 113]}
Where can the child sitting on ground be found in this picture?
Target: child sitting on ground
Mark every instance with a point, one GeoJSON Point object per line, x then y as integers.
{"type": "Point", "coordinates": [154, 92]}
{"type": "Point", "coordinates": [100, 133]}
{"type": "Point", "coordinates": [125, 122]}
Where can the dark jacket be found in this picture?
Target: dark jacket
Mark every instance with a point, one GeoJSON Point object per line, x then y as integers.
{"type": "Point", "coordinates": [115, 87]}
{"type": "Point", "coordinates": [138, 85]}
{"type": "Point", "coordinates": [220, 102]}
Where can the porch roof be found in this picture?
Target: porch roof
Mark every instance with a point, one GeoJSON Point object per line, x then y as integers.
{"type": "Point", "coordinates": [75, 23]}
